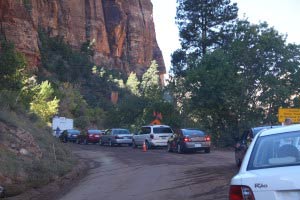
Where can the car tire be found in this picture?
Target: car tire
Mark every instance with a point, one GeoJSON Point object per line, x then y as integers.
{"type": "Point", "coordinates": [207, 150]}
{"type": "Point", "coordinates": [179, 148]}
{"type": "Point", "coordinates": [169, 148]}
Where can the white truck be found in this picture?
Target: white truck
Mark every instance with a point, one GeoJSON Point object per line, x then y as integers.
{"type": "Point", "coordinates": [59, 124]}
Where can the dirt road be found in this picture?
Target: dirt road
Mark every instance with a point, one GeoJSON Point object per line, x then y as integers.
{"type": "Point", "coordinates": [129, 174]}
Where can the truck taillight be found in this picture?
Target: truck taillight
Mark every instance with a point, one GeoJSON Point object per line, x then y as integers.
{"type": "Point", "coordinates": [240, 192]}
{"type": "Point", "coordinates": [207, 138]}
{"type": "Point", "coordinates": [151, 136]}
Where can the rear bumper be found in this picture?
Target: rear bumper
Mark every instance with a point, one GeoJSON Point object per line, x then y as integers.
{"type": "Point", "coordinates": [93, 140]}
{"type": "Point", "coordinates": [159, 143]}
{"type": "Point", "coordinates": [197, 145]}
{"type": "Point", "coordinates": [123, 141]}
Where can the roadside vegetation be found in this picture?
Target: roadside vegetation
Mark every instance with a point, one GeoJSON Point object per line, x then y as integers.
{"type": "Point", "coordinates": [228, 75]}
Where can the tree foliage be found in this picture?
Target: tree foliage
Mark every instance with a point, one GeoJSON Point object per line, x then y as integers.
{"type": "Point", "coordinates": [202, 23]}
{"type": "Point", "coordinates": [11, 65]}
{"type": "Point", "coordinates": [133, 84]}
{"type": "Point", "coordinates": [44, 104]}
{"type": "Point", "coordinates": [150, 85]}
{"type": "Point", "coordinates": [245, 82]}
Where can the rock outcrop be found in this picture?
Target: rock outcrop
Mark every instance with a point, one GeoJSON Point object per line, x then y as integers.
{"type": "Point", "coordinates": [122, 30]}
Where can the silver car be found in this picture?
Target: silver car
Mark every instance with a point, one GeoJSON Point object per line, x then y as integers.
{"type": "Point", "coordinates": [116, 136]}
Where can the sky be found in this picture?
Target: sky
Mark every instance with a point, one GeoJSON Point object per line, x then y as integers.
{"type": "Point", "coordinates": [283, 15]}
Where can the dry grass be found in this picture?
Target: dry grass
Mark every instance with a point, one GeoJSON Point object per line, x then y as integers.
{"type": "Point", "coordinates": [46, 160]}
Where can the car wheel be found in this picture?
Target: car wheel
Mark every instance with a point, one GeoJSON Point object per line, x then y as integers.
{"type": "Point", "coordinates": [110, 143]}
{"type": "Point", "coordinates": [169, 148]}
{"type": "Point", "coordinates": [133, 144]}
{"type": "Point", "coordinates": [207, 150]}
{"type": "Point", "coordinates": [179, 148]}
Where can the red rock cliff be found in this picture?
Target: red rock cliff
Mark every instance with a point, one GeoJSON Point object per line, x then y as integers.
{"type": "Point", "coordinates": [123, 30]}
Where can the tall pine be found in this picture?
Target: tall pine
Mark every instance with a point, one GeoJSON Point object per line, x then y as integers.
{"type": "Point", "coordinates": [203, 24]}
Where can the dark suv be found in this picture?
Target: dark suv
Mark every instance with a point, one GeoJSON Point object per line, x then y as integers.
{"type": "Point", "coordinates": [243, 144]}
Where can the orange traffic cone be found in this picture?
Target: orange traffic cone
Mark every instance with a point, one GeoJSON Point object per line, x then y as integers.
{"type": "Point", "coordinates": [144, 147]}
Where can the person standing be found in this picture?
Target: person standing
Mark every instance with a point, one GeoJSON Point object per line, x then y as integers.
{"type": "Point", "coordinates": [287, 121]}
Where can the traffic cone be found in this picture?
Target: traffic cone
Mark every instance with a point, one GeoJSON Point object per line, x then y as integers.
{"type": "Point", "coordinates": [144, 147]}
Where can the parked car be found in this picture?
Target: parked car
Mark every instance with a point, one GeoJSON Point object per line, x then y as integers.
{"type": "Point", "coordinates": [69, 135]}
{"type": "Point", "coordinates": [242, 145]}
{"type": "Point", "coordinates": [270, 169]}
{"type": "Point", "coordinates": [152, 136]}
{"type": "Point", "coordinates": [116, 136]}
{"type": "Point", "coordinates": [189, 140]}
{"type": "Point", "coordinates": [90, 136]}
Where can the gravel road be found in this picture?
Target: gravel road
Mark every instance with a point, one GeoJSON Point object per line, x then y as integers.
{"type": "Point", "coordinates": [129, 174]}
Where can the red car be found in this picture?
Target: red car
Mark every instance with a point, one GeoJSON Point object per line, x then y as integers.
{"type": "Point", "coordinates": [91, 136]}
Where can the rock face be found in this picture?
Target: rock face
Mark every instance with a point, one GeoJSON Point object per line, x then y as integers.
{"type": "Point", "coordinates": [122, 30]}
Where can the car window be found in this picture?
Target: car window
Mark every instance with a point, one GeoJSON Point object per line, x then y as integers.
{"type": "Point", "coordinates": [121, 132]}
{"type": "Point", "coordinates": [145, 130]}
{"type": "Point", "coordinates": [162, 130]}
{"type": "Point", "coordinates": [193, 132]}
{"type": "Point", "coordinates": [108, 132]}
{"type": "Point", "coordinates": [275, 151]}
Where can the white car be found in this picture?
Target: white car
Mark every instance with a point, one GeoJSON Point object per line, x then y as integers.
{"type": "Point", "coordinates": [152, 136]}
{"type": "Point", "coordinates": [271, 167]}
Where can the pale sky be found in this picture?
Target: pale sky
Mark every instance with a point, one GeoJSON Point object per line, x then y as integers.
{"type": "Point", "coordinates": [283, 15]}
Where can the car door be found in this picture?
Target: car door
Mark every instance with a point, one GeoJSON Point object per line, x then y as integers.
{"type": "Point", "coordinates": [105, 137]}
{"type": "Point", "coordinates": [142, 134]}
{"type": "Point", "coordinates": [138, 137]}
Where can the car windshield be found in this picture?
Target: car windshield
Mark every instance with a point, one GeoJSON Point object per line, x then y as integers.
{"type": "Point", "coordinates": [276, 151]}
{"type": "Point", "coordinates": [191, 132]}
{"type": "Point", "coordinates": [162, 130]}
{"type": "Point", "coordinates": [121, 132]}
{"type": "Point", "coordinates": [256, 130]}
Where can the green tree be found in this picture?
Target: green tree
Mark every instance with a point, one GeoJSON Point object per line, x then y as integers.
{"type": "Point", "coordinates": [203, 24]}
{"type": "Point", "coordinates": [11, 65]}
{"type": "Point", "coordinates": [268, 65]}
{"type": "Point", "coordinates": [44, 104]}
{"type": "Point", "coordinates": [150, 85]}
{"type": "Point", "coordinates": [133, 84]}
{"type": "Point", "coordinates": [244, 83]}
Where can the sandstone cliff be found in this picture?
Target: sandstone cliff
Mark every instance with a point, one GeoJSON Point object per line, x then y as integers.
{"type": "Point", "coordinates": [123, 30]}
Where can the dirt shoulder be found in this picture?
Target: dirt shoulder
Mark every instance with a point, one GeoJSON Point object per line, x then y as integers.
{"type": "Point", "coordinates": [56, 188]}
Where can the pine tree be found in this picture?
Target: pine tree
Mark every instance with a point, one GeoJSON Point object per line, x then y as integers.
{"type": "Point", "coordinates": [150, 85]}
{"type": "Point", "coordinates": [202, 23]}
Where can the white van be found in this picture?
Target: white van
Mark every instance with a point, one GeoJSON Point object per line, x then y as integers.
{"type": "Point", "coordinates": [152, 135]}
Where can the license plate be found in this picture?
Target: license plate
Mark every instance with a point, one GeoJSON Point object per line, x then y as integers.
{"type": "Point", "coordinates": [198, 145]}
